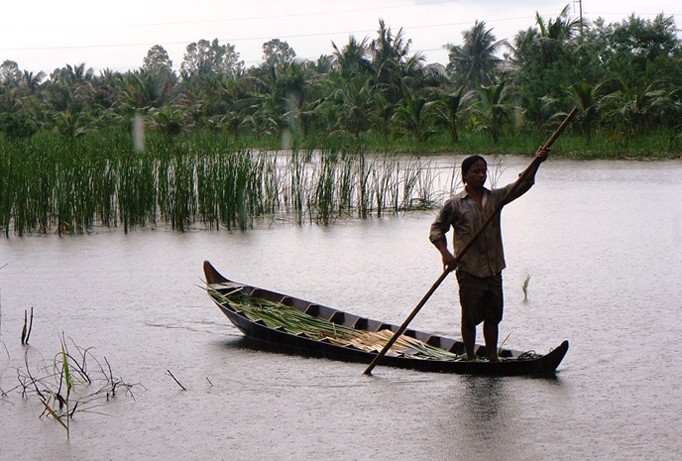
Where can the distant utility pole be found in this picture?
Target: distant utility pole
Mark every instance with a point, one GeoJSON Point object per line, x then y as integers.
{"type": "Point", "coordinates": [580, 8]}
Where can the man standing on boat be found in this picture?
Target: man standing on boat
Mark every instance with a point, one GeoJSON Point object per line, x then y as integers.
{"type": "Point", "coordinates": [479, 270]}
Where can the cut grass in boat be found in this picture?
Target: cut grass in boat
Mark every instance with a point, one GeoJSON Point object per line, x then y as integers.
{"type": "Point", "coordinates": [291, 320]}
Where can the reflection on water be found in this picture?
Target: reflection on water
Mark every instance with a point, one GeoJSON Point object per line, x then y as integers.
{"type": "Point", "coordinates": [484, 399]}
{"type": "Point", "coordinates": [604, 259]}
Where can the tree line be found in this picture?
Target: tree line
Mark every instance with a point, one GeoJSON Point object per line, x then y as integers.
{"type": "Point", "coordinates": [623, 77]}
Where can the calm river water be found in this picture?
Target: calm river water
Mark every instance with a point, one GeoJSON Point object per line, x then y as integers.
{"type": "Point", "coordinates": [601, 241]}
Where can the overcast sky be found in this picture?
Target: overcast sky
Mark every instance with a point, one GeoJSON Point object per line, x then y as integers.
{"type": "Point", "coordinates": [46, 34]}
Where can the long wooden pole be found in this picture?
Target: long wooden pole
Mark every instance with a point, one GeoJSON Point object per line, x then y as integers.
{"type": "Point", "coordinates": [469, 244]}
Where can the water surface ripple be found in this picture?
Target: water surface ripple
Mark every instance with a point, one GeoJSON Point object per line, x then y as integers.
{"type": "Point", "coordinates": [600, 240]}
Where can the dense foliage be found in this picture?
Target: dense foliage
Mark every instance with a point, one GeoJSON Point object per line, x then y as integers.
{"type": "Point", "coordinates": [623, 78]}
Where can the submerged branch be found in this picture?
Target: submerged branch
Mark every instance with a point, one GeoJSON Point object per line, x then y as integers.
{"type": "Point", "coordinates": [64, 386]}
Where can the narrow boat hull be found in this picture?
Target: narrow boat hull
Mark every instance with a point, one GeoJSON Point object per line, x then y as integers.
{"type": "Point", "coordinates": [513, 363]}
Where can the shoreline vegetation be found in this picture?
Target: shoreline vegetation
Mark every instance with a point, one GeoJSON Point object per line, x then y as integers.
{"type": "Point", "coordinates": [51, 185]}
{"type": "Point", "coordinates": [221, 144]}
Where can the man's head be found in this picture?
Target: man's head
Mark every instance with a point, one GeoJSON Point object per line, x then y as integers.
{"type": "Point", "coordinates": [474, 170]}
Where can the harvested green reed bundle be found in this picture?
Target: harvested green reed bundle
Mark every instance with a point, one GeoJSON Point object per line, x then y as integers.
{"type": "Point", "coordinates": [278, 315]}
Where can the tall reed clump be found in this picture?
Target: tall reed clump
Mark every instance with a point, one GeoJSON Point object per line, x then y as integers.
{"type": "Point", "coordinates": [24, 189]}
{"type": "Point", "coordinates": [233, 185]}
{"type": "Point", "coordinates": [176, 189]}
{"type": "Point", "coordinates": [132, 191]}
{"type": "Point", "coordinates": [8, 190]}
{"type": "Point", "coordinates": [326, 185]}
{"type": "Point", "coordinates": [49, 184]}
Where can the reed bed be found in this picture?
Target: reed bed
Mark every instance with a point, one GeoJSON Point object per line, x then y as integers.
{"type": "Point", "coordinates": [48, 184]}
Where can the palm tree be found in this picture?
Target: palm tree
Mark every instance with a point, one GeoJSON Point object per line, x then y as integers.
{"type": "Point", "coordinates": [447, 110]}
{"type": "Point", "coordinates": [25, 98]}
{"type": "Point", "coordinates": [168, 120]}
{"type": "Point", "coordinates": [292, 85]}
{"type": "Point", "coordinates": [546, 60]}
{"type": "Point", "coordinates": [136, 92]}
{"type": "Point", "coordinates": [639, 109]}
{"type": "Point", "coordinates": [353, 59]}
{"type": "Point", "coordinates": [556, 35]}
{"type": "Point", "coordinates": [260, 124]}
{"type": "Point", "coordinates": [10, 99]}
{"type": "Point", "coordinates": [381, 114]}
{"type": "Point", "coordinates": [70, 88]}
{"type": "Point", "coordinates": [414, 115]}
{"type": "Point", "coordinates": [589, 100]}
{"type": "Point", "coordinates": [32, 81]}
{"type": "Point", "coordinates": [76, 74]}
{"type": "Point", "coordinates": [354, 99]}
{"type": "Point", "coordinates": [389, 53]}
{"type": "Point", "coordinates": [492, 107]}
{"type": "Point", "coordinates": [71, 125]}
{"type": "Point", "coordinates": [475, 62]}
{"type": "Point", "coordinates": [234, 106]}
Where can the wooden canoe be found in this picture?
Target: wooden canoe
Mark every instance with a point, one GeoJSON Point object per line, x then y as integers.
{"type": "Point", "coordinates": [449, 356]}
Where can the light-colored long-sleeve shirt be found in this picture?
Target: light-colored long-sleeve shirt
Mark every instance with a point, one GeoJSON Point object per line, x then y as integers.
{"type": "Point", "coordinates": [486, 256]}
